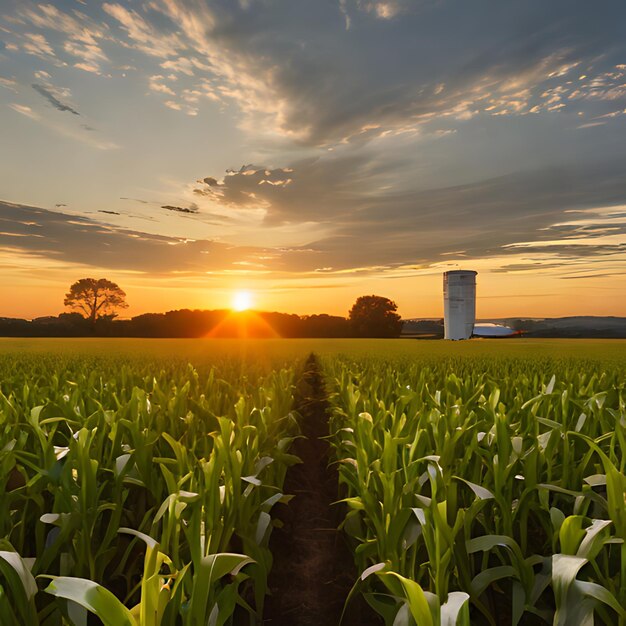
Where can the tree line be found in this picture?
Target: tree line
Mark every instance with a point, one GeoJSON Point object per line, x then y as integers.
{"type": "Point", "coordinates": [95, 304]}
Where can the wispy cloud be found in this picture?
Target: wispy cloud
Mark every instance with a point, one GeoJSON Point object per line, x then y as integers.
{"type": "Point", "coordinates": [281, 83]}
{"type": "Point", "coordinates": [426, 133]}
{"type": "Point", "coordinates": [24, 110]}
{"type": "Point", "coordinates": [193, 209]}
{"type": "Point", "coordinates": [37, 44]}
{"type": "Point", "coordinates": [156, 83]}
{"type": "Point", "coordinates": [272, 64]}
{"type": "Point", "coordinates": [83, 34]}
{"type": "Point", "coordinates": [85, 134]}
{"type": "Point", "coordinates": [51, 95]}
{"type": "Point", "coordinates": [73, 240]}
{"type": "Point", "coordinates": [142, 34]}
{"type": "Point", "coordinates": [8, 83]}
{"type": "Point", "coordinates": [386, 9]}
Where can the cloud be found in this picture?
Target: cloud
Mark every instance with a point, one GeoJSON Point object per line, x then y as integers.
{"type": "Point", "coordinates": [384, 9]}
{"type": "Point", "coordinates": [276, 69]}
{"type": "Point", "coordinates": [51, 95]}
{"type": "Point", "coordinates": [155, 84]}
{"type": "Point", "coordinates": [80, 241]}
{"type": "Point", "coordinates": [308, 190]}
{"type": "Point", "coordinates": [86, 67]}
{"type": "Point", "coordinates": [8, 83]}
{"type": "Point", "coordinates": [528, 238]}
{"type": "Point", "coordinates": [407, 139]}
{"type": "Point", "coordinates": [134, 200]}
{"type": "Point", "coordinates": [389, 76]}
{"type": "Point", "coordinates": [24, 110]}
{"type": "Point", "coordinates": [86, 135]}
{"type": "Point", "coordinates": [193, 209]}
{"type": "Point", "coordinates": [37, 44]}
{"type": "Point", "coordinates": [83, 34]}
{"type": "Point", "coordinates": [178, 106]}
{"type": "Point", "coordinates": [144, 36]}
{"type": "Point", "coordinates": [618, 274]}
{"type": "Point", "coordinates": [369, 225]}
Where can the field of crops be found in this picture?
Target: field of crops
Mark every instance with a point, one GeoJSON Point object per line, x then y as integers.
{"type": "Point", "coordinates": [482, 487]}
{"type": "Point", "coordinates": [481, 482]}
{"type": "Point", "coordinates": [141, 491]}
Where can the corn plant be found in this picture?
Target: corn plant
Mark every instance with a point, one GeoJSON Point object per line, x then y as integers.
{"type": "Point", "coordinates": [502, 480]}
{"type": "Point", "coordinates": [104, 455]}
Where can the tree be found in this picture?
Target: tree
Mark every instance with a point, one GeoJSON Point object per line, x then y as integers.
{"type": "Point", "coordinates": [375, 316]}
{"type": "Point", "coordinates": [95, 298]}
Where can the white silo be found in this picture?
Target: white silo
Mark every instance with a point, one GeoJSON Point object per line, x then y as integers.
{"type": "Point", "coordinates": [459, 303]}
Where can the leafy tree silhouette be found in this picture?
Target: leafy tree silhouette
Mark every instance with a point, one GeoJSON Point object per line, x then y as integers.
{"type": "Point", "coordinates": [96, 298]}
{"type": "Point", "coordinates": [375, 316]}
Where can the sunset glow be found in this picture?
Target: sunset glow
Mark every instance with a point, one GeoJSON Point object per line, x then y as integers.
{"type": "Point", "coordinates": [308, 155]}
{"type": "Point", "coordinates": [242, 301]}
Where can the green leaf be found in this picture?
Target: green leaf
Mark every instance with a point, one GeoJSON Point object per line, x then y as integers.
{"type": "Point", "coordinates": [210, 569]}
{"type": "Point", "coordinates": [485, 578]}
{"type": "Point", "coordinates": [372, 569]}
{"type": "Point", "coordinates": [575, 599]}
{"type": "Point", "coordinates": [19, 566]}
{"type": "Point", "coordinates": [18, 592]}
{"type": "Point", "coordinates": [455, 612]}
{"type": "Point", "coordinates": [95, 598]}
{"type": "Point", "coordinates": [564, 570]}
{"type": "Point", "coordinates": [481, 492]}
{"type": "Point", "coordinates": [600, 593]}
{"type": "Point", "coordinates": [571, 534]}
{"type": "Point", "coordinates": [262, 525]}
{"type": "Point", "coordinates": [487, 542]}
{"type": "Point", "coordinates": [412, 593]}
{"type": "Point", "coordinates": [593, 539]}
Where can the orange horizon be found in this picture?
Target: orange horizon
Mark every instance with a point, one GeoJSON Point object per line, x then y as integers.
{"type": "Point", "coordinates": [499, 295]}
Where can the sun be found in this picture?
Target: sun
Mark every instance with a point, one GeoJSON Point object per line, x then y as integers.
{"type": "Point", "coordinates": [242, 301]}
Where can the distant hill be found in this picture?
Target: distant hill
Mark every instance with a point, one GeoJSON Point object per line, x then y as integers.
{"type": "Point", "coordinates": [575, 326]}
{"type": "Point", "coordinates": [579, 326]}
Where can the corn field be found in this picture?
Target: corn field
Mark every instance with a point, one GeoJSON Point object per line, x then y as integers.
{"type": "Point", "coordinates": [479, 489]}
{"type": "Point", "coordinates": [484, 492]}
{"type": "Point", "coordinates": [142, 495]}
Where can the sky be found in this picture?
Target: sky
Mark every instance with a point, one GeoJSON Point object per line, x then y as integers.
{"type": "Point", "coordinates": [310, 152]}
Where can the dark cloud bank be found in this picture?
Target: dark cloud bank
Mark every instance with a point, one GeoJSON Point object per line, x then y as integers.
{"type": "Point", "coordinates": [368, 229]}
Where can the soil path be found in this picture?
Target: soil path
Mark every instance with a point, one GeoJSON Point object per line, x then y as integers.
{"type": "Point", "coordinates": [313, 569]}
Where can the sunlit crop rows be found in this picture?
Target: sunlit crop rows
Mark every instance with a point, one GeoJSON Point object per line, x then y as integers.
{"type": "Point", "coordinates": [489, 491]}
{"type": "Point", "coordinates": [479, 488]}
{"type": "Point", "coordinates": [142, 491]}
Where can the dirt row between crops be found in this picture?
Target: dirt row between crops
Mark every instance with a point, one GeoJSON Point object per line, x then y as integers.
{"type": "Point", "coordinates": [313, 568]}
